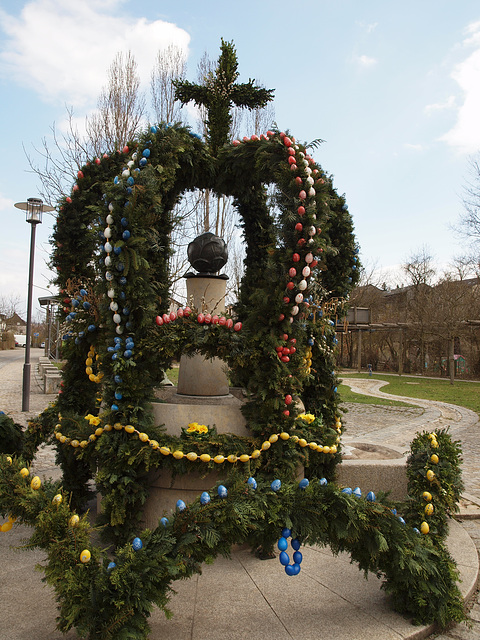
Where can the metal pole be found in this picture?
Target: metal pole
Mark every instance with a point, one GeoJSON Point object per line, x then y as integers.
{"type": "Point", "coordinates": [27, 365]}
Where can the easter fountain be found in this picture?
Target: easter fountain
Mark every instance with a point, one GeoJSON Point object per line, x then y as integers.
{"type": "Point", "coordinates": [203, 394]}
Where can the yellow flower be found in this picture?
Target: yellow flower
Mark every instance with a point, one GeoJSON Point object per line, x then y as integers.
{"type": "Point", "coordinates": [93, 420]}
{"type": "Point", "coordinates": [307, 417]}
{"type": "Point", "coordinates": [194, 427]}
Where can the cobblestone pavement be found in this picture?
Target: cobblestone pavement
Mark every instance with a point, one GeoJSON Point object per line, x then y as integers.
{"type": "Point", "coordinates": [395, 426]}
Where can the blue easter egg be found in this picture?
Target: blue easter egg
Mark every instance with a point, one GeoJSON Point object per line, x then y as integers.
{"type": "Point", "coordinates": [284, 559]}
{"type": "Point", "coordinates": [124, 222]}
{"type": "Point", "coordinates": [81, 334]}
{"type": "Point", "coordinates": [114, 407]}
{"type": "Point", "coordinates": [129, 190]}
{"type": "Point", "coordinates": [122, 295]}
{"type": "Point", "coordinates": [295, 544]}
{"type": "Point", "coordinates": [118, 395]}
{"type": "Point", "coordinates": [117, 250]}
{"type": "Point", "coordinates": [416, 530]}
{"type": "Point", "coordinates": [77, 341]}
{"type": "Point", "coordinates": [348, 491]}
{"type": "Point", "coordinates": [323, 482]}
{"type": "Point", "coordinates": [91, 327]}
{"type": "Point", "coordinates": [143, 162]}
{"type": "Point", "coordinates": [123, 280]}
{"type": "Point", "coordinates": [117, 347]}
{"type": "Point", "coordinates": [222, 491]}
{"type": "Point", "coordinates": [371, 496]}
{"type": "Point", "coordinates": [153, 129]}
{"type": "Point", "coordinates": [111, 565]}
{"type": "Point", "coordinates": [286, 533]}
{"type": "Point", "coordinates": [296, 569]}
{"type": "Point", "coordinates": [126, 311]}
{"type": "Point", "coordinates": [394, 511]}
{"type": "Point", "coordinates": [310, 342]}
{"type": "Point", "coordinates": [205, 497]}
{"type": "Point", "coordinates": [282, 544]}
{"type": "Point", "coordinates": [303, 484]}
{"type": "Point", "coordinates": [118, 379]}
{"type": "Point", "coordinates": [146, 153]}
{"type": "Point", "coordinates": [181, 506]}
{"type": "Point", "coordinates": [130, 181]}
{"type": "Point", "coordinates": [116, 180]}
{"type": "Point", "coordinates": [357, 492]}
{"type": "Point", "coordinates": [297, 557]}
{"type": "Point", "coordinates": [276, 484]}
{"type": "Point", "coordinates": [120, 266]}
{"type": "Point", "coordinates": [128, 353]}
{"type": "Point", "coordinates": [164, 521]}
{"type": "Point", "coordinates": [252, 482]}
{"type": "Point", "coordinates": [86, 305]}
{"type": "Point", "coordinates": [137, 544]}
{"type": "Point", "coordinates": [75, 303]}
{"type": "Point", "coordinates": [289, 570]}
{"type": "Point", "coordinates": [126, 234]}
{"type": "Point", "coordinates": [401, 519]}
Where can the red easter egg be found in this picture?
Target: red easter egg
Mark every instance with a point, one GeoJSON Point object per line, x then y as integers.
{"type": "Point", "coordinates": [291, 159]}
{"type": "Point", "coordinates": [292, 272]}
{"type": "Point", "coordinates": [97, 161]}
{"type": "Point", "coordinates": [166, 318]}
{"type": "Point", "coordinates": [286, 351]}
{"type": "Point", "coordinates": [296, 257]}
{"type": "Point", "coordinates": [313, 263]}
{"type": "Point", "coordinates": [281, 317]}
{"type": "Point", "coordinates": [290, 286]}
{"type": "Point", "coordinates": [301, 210]}
{"type": "Point", "coordinates": [288, 399]}
{"type": "Point", "coordinates": [187, 311]}
{"type": "Point", "coordinates": [293, 350]}
{"type": "Point", "coordinates": [270, 133]}
{"type": "Point", "coordinates": [208, 318]}
{"type": "Point", "coordinates": [201, 318]}
{"type": "Point", "coordinates": [285, 336]}
{"type": "Point", "coordinates": [286, 299]}
{"type": "Point", "coordinates": [302, 195]}
{"type": "Point", "coordinates": [80, 175]}
{"type": "Point", "coordinates": [293, 167]}
{"type": "Point", "coordinates": [236, 143]}
{"type": "Point", "coordinates": [293, 341]}
{"type": "Point", "coordinates": [68, 199]}
{"type": "Point", "coordinates": [287, 142]}
{"type": "Point", "coordinates": [291, 151]}
{"type": "Point", "coordinates": [245, 139]}
{"type": "Point", "coordinates": [299, 181]}
{"type": "Point", "coordinates": [105, 155]}
{"type": "Point", "coordinates": [229, 323]}
{"type": "Point", "coordinates": [254, 137]}
{"type": "Point", "coordinates": [286, 413]}
{"type": "Point", "coordinates": [125, 149]}
{"type": "Point", "coordinates": [301, 242]}
{"type": "Point", "coordinates": [173, 316]}
{"type": "Point", "coordinates": [159, 320]}
{"type": "Point", "coordinates": [75, 187]}
{"type": "Point", "coordinates": [298, 226]}
{"type": "Point", "coordinates": [285, 359]}
{"type": "Point", "coordinates": [279, 348]}
{"type": "Point", "coordinates": [237, 326]}
{"type": "Point", "coordinates": [180, 312]}
{"type": "Point", "coordinates": [222, 321]}
{"type": "Point", "coordinates": [214, 319]}
{"type": "Point", "coordinates": [282, 135]}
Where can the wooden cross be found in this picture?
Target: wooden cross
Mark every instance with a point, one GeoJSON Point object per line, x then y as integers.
{"type": "Point", "coordinates": [219, 92]}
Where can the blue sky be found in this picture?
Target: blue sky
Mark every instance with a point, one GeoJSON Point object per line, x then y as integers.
{"type": "Point", "coordinates": [393, 89]}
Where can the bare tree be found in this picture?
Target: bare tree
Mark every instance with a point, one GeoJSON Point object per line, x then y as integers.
{"type": "Point", "coordinates": [9, 305]}
{"type": "Point", "coordinates": [469, 223]}
{"type": "Point", "coordinates": [170, 64]}
{"type": "Point", "coordinates": [121, 107]}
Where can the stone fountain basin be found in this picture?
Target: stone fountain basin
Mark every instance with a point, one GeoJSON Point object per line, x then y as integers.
{"type": "Point", "coordinates": [373, 467]}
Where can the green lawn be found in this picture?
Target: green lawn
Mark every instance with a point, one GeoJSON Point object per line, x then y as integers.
{"type": "Point", "coordinates": [347, 395]}
{"type": "Point", "coordinates": [464, 392]}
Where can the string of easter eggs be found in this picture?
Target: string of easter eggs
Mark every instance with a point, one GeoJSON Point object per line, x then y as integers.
{"type": "Point", "coordinates": [430, 475]}
{"type": "Point", "coordinates": [92, 358]}
{"type": "Point", "coordinates": [204, 457]}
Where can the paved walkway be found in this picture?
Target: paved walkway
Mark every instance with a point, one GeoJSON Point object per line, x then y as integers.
{"type": "Point", "coordinates": [243, 598]}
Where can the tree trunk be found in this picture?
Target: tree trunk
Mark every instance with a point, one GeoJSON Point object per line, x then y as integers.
{"type": "Point", "coordinates": [451, 360]}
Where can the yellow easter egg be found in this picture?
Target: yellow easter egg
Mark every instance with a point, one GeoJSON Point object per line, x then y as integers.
{"type": "Point", "coordinates": [24, 472]}
{"type": "Point", "coordinates": [266, 445]}
{"type": "Point", "coordinates": [85, 556]}
{"type": "Point", "coordinates": [302, 442]}
{"type": "Point", "coordinates": [273, 438]}
{"type": "Point", "coordinates": [143, 437]}
{"type": "Point", "coordinates": [244, 457]}
{"type": "Point", "coordinates": [92, 377]}
{"type": "Point", "coordinates": [36, 483]}
{"type": "Point", "coordinates": [74, 520]}
{"type": "Point", "coordinates": [205, 457]}
{"type": "Point", "coordinates": [333, 448]}
{"type": "Point", "coordinates": [118, 427]}
{"type": "Point", "coordinates": [178, 455]}
{"type": "Point", "coordinates": [88, 371]}
{"type": "Point", "coordinates": [424, 528]}
{"type": "Point", "coordinates": [75, 443]}
{"type": "Point", "coordinates": [165, 451]}
{"type": "Point", "coordinates": [428, 509]}
{"type": "Point", "coordinates": [434, 458]}
{"type": "Point", "coordinates": [295, 438]}
{"type": "Point", "coordinates": [58, 435]}
{"type": "Point", "coordinates": [9, 460]}
{"type": "Point", "coordinates": [434, 444]}
{"type": "Point", "coordinates": [256, 454]}
{"type": "Point", "coordinates": [84, 443]}
{"type": "Point", "coordinates": [326, 449]}
{"type": "Point", "coordinates": [63, 439]}
{"type": "Point", "coordinates": [430, 475]}
{"type": "Point", "coordinates": [57, 499]}
{"type": "Point", "coordinates": [427, 496]}
{"type": "Point", "coordinates": [219, 459]}
{"type": "Point", "coordinates": [6, 527]}
{"type": "Point", "coordinates": [192, 456]}
{"type": "Point", "coordinates": [129, 428]}
{"type": "Point", "coordinates": [99, 431]}
{"type": "Point", "coordinates": [232, 458]}
{"type": "Point", "coordinates": [89, 362]}
{"type": "Point", "coordinates": [313, 446]}
{"type": "Point", "coordinates": [284, 435]}
{"type": "Point", "coordinates": [107, 427]}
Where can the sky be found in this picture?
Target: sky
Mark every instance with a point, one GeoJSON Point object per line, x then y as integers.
{"type": "Point", "coordinates": [392, 88]}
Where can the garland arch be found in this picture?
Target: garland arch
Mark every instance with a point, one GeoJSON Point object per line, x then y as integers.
{"type": "Point", "coordinates": [111, 250]}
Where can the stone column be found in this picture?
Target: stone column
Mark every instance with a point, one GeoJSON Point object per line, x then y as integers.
{"type": "Point", "coordinates": [199, 376]}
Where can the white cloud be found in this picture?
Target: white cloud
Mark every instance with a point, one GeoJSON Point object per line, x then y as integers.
{"type": "Point", "coordinates": [449, 103]}
{"type": "Point", "coordinates": [63, 48]}
{"type": "Point", "coordinates": [413, 147]}
{"type": "Point", "coordinates": [365, 61]}
{"type": "Point", "coordinates": [465, 134]}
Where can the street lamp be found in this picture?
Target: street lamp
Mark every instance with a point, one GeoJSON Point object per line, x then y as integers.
{"type": "Point", "coordinates": [34, 208]}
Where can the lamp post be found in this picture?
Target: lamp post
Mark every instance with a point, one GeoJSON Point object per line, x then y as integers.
{"type": "Point", "coordinates": [34, 208]}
